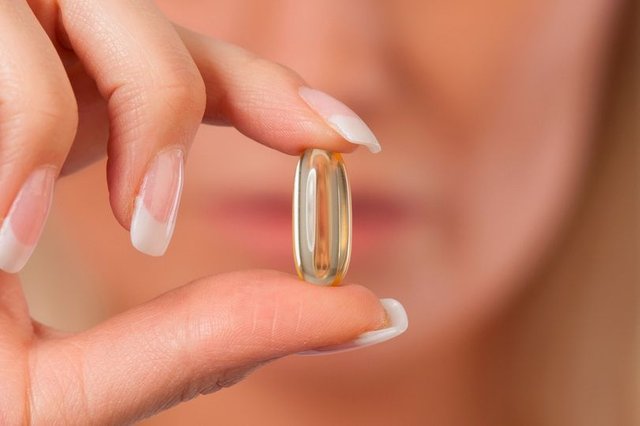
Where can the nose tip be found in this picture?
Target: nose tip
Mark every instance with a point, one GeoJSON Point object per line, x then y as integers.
{"type": "Point", "coordinates": [335, 45]}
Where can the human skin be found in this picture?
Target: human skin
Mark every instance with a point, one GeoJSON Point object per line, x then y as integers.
{"type": "Point", "coordinates": [118, 77]}
{"type": "Point", "coordinates": [482, 190]}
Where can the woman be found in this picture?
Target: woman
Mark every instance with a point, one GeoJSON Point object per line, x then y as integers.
{"type": "Point", "coordinates": [485, 115]}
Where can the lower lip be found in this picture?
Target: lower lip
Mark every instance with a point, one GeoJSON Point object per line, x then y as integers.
{"type": "Point", "coordinates": [261, 224]}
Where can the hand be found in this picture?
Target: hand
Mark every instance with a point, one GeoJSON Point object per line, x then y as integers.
{"type": "Point", "coordinates": [89, 77]}
{"type": "Point", "coordinates": [83, 78]}
{"type": "Point", "coordinates": [194, 340]}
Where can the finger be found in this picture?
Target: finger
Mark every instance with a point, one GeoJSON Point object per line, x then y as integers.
{"type": "Point", "coordinates": [193, 340]}
{"type": "Point", "coordinates": [156, 100]}
{"type": "Point", "coordinates": [38, 119]}
{"type": "Point", "coordinates": [271, 103]}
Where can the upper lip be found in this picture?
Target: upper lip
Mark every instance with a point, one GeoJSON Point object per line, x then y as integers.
{"type": "Point", "coordinates": [368, 208]}
{"type": "Point", "coordinates": [262, 222]}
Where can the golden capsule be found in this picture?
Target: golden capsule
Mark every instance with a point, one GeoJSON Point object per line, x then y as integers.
{"type": "Point", "coordinates": [321, 218]}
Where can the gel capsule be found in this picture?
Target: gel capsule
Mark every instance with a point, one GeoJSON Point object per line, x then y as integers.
{"type": "Point", "coordinates": [321, 218]}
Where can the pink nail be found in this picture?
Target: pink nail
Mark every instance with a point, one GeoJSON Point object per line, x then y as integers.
{"type": "Point", "coordinates": [341, 118]}
{"type": "Point", "coordinates": [156, 206]}
{"type": "Point", "coordinates": [398, 324]}
{"type": "Point", "coordinates": [22, 227]}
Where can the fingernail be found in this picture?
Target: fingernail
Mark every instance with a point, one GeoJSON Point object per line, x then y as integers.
{"type": "Point", "coordinates": [398, 323]}
{"type": "Point", "coordinates": [341, 118]}
{"type": "Point", "coordinates": [156, 206]}
{"type": "Point", "coordinates": [22, 227]}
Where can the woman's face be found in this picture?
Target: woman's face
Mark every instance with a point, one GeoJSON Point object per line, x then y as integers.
{"type": "Point", "coordinates": [482, 121]}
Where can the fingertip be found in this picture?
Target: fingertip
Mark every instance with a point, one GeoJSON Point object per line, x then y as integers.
{"type": "Point", "coordinates": [156, 205]}
{"type": "Point", "coordinates": [271, 103]}
{"type": "Point", "coordinates": [370, 306]}
{"type": "Point", "coordinates": [340, 118]}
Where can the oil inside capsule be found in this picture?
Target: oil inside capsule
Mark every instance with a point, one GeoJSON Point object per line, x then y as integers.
{"type": "Point", "coordinates": [321, 218]}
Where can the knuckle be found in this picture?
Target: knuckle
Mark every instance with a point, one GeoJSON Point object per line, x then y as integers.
{"type": "Point", "coordinates": [183, 89]}
{"type": "Point", "coordinates": [142, 101]}
{"type": "Point", "coordinates": [184, 92]}
{"type": "Point", "coordinates": [57, 383]}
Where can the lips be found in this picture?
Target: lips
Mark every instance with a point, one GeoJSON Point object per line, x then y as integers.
{"type": "Point", "coordinates": [261, 223]}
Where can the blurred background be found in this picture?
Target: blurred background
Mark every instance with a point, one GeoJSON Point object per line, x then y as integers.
{"type": "Point", "coordinates": [502, 212]}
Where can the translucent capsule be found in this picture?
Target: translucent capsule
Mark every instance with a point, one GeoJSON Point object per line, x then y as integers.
{"type": "Point", "coordinates": [321, 218]}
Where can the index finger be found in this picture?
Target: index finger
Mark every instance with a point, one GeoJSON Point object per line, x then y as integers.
{"type": "Point", "coordinates": [270, 103]}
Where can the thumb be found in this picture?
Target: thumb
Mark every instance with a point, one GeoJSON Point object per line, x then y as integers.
{"type": "Point", "coordinates": [191, 341]}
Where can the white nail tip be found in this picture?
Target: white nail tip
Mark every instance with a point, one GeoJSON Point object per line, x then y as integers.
{"type": "Point", "coordinates": [149, 235]}
{"type": "Point", "coordinates": [21, 228]}
{"type": "Point", "coordinates": [355, 131]}
{"type": "Point", "coordinates": [13, 254]}
{"type": "Point", "coordinates": [156, 206]}
{"type": "Point", "coordinates": [341, 118]}
{"type": "Point", "coordinates": [398, 323]}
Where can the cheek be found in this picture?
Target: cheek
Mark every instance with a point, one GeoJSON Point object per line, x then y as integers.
{"type": "Point", "coordinates": [457, 52]}
{"type": "Point", "coordinates": [509, 93]}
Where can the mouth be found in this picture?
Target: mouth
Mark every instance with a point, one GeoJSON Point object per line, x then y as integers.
{"type": "Point", "coordinates": [261, 224]}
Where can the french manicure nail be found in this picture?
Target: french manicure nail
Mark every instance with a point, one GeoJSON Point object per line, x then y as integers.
{"type": "Point", "coordinates": [341, 118]}
{"type": "Point", "coordinates": [156, 206]}
{"type": "Point", "coordinates": [22, 227]}
{"type": "Point", "coordinates": [398, 323]}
